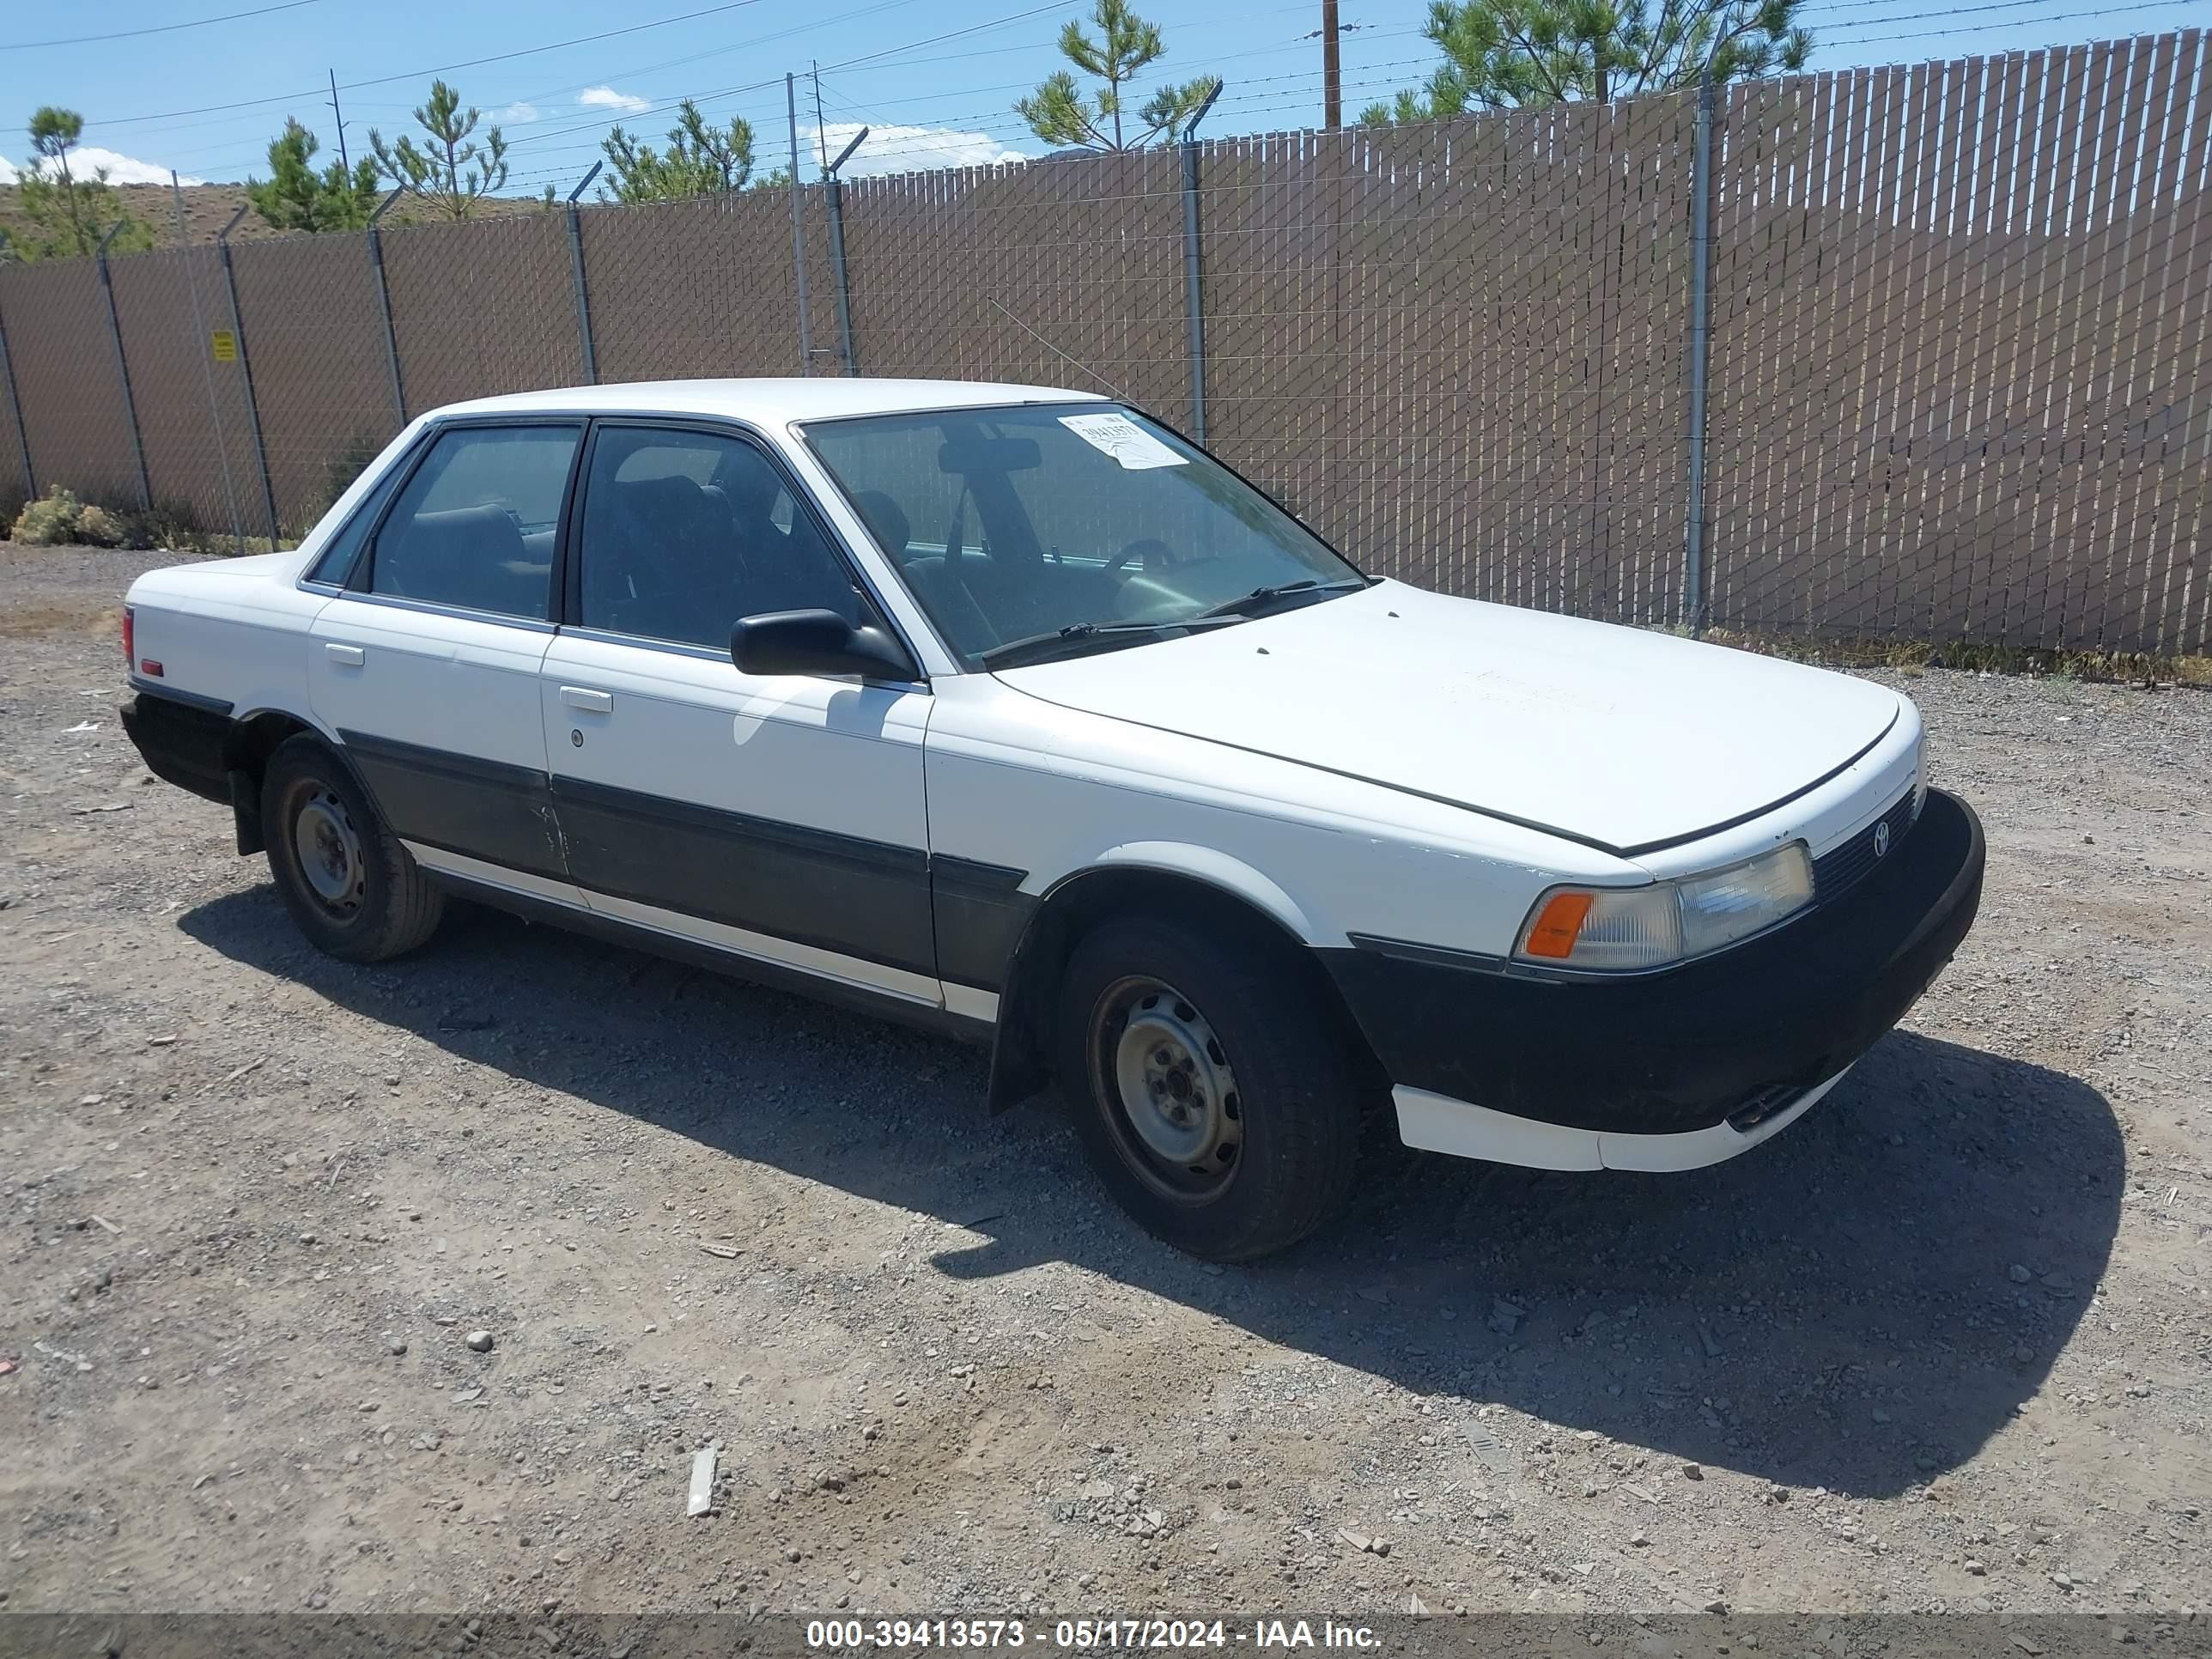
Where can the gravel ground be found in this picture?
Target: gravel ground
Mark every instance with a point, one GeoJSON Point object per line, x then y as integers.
{"type": "Point", "coordinates": [1942, 1346]}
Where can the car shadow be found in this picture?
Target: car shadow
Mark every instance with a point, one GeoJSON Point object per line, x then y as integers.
{"type": "Point", "coordinates": [1859, 1306]}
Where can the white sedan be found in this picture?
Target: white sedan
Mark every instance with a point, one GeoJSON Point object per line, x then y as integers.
{"type": "Point", "coordinates": [1008, 710]}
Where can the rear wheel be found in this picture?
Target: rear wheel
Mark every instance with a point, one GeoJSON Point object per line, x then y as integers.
{"type": "Point", "coordinates": [355, 891]}
{"type": "Point", "coordinates": [1216, 1093]}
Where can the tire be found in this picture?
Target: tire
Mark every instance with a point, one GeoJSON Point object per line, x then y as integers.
{"type": "Point", "coordinates": [1259, 1144]}
{"type": "Point", "coordinates": [364, 898]}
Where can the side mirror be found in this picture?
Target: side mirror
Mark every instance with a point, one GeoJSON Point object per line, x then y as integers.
{"type": "Point", "coordinates": [817, 642]}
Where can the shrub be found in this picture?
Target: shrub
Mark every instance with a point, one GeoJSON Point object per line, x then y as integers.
{"type": "Point", "coordinates": [97, 527]}
{"type": "Point", "coordinates": [163, 525]}
{"type": "Point", "coordinates": [341, 469]}
{"type": "Point", "coordinates": [51, 522]}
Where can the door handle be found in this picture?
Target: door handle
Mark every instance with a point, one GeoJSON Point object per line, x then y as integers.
{"type": "Point", "coordinates": [591, 701]}
{"type": "Point", "coordinates": [348, 656]}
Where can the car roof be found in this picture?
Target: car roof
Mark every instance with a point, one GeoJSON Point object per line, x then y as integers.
{"type": "Point", "coordinates": [768, 401]}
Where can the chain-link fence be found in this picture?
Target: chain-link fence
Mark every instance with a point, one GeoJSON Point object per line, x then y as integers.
{"type": "Point", "coordinates": [1958, 384]}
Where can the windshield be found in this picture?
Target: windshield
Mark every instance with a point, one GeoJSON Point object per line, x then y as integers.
{"type": "Point", "coordinates": [1069, 522]}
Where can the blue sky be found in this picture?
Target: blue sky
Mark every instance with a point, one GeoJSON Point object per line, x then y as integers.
{"type": "Point", "coordinates": [937, 79]}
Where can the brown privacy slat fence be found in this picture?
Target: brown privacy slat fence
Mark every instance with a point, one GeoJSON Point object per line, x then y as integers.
{"type": "Point", "coordinates": [1959, 383]}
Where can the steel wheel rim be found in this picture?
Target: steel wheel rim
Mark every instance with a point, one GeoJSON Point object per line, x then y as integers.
{"type": "Point", "coordinates": [329, 852]}
{"type": "Point", "coordinates": [1161, 1074]}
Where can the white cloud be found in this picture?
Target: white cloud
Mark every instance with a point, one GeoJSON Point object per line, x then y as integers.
{"type": "Point", "coordinates": [515, 115]}
{"type": "Point", "coordinates": [607, 98]}
{"type": "Point", "coordinates": [906, 149]}
{"type": "Point", "coordinates": [87, 159]}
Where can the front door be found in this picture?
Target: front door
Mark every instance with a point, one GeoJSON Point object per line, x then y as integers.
{"type": "Point", "coordinates": [426, 667]}
{"type": "Point", "coordinates": [780, 818]}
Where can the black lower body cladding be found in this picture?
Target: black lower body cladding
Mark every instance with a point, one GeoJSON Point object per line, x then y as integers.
{"type": "Point", "coordinates": [1685, 1049]}
{"type": "Point", "coordinates": [182, 739]}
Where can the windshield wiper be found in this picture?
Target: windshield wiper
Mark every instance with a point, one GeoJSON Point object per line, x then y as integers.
{"type": "Point", "coordinates": [1077, 638]}
{"type": "Point", "coordinates": [1261, 600]}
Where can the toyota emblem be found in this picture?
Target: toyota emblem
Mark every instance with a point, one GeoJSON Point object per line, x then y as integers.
{"type": "Point", "coordinates": [1881, 838]}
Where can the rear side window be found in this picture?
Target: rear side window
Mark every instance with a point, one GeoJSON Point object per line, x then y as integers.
{"type": "Point", "coordinates": [337, 561]}
{"type": "Point", "coordinates": [476, 525]}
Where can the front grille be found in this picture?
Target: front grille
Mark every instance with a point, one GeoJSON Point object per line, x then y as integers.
{"type": "Point", "coordinates": [1840, 868]}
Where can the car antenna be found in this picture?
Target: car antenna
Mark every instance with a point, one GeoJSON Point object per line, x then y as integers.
{"type": "Point", "coordinates": [1054, 350]}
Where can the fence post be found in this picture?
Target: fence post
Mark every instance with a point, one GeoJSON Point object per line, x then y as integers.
{"type": "Point", "coordinates": [1701, 331]}
{"type": "Point", "coordinates": [15, 408]}
{"type": "Point", "coordinates": [123, 369]}
{"type": "Point", "coordinates": [835, 194]}
{"type": "Point", "coordinates": [576, 269]}
{"type": "Point", "coordinates": [1194, 294]}
{"type": "Point", "coordinates": [205, 350]}
{"type": "Point", "coordinates": [799, 229]}
{"type": "Point", "coordinates": [246, 369]}
{"type": "Point", "coordinates": [384, 299]}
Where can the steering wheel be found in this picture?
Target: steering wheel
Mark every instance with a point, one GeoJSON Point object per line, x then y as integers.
{"type": "Point", "coordinates": [1145, 548]}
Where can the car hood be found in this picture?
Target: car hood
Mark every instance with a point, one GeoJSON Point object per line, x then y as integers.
{"type": "Point", "coordinates": [1624, 739]}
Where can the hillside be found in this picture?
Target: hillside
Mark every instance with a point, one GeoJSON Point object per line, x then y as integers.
{"type": "Point", "coordinates": [208, 207]}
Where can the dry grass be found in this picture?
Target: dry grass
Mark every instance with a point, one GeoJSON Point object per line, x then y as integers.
{"type": "Point", "coordinates": [31, 621]}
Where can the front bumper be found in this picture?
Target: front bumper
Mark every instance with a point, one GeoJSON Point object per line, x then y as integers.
{"type": "Point", "coordinates": [1731, 1047]}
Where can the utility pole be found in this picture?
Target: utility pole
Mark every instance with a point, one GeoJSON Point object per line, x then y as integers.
{"type": "Point", "coordinates": [1332, 73]}
{"type": "Point", "coordinates": [339, 116]}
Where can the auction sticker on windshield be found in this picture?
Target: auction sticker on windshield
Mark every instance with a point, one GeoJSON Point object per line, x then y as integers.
{"type": "Point", "coordinates": [1123, 439]}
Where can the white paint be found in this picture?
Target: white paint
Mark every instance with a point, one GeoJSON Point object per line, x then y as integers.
{"type": "Point", "coordinates": [1438, 1123]}
{"type": "Point", "coordinates": [762, 947]}
{"type": "Point", "coordinates": [1615, 734]}
{"type": "Point", "coordinates": [970, 1003]}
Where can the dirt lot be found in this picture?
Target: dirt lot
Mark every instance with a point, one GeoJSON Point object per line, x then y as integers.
{"type": "Point", "coordinates": [1944, 1344]}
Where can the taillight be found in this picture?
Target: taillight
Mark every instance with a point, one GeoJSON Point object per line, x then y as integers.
{"type": "Point", "coordinates": [130, 639]}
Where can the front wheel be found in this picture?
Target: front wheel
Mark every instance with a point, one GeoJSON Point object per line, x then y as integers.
{"type": "Point", "coordinates": [355, 891]}
{"type": "Point", "coordinates": [1217, 1091]}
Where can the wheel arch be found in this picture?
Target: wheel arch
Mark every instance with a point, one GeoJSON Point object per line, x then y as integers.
{"type": "Point", "coordinates": [1148, 877]}
{"type": "Point", "coordinates": [253, 737]}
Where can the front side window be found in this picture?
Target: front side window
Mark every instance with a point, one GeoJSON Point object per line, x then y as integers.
{"type": "Point", "coordinates": [1068, 525]}
{"type": "Point", "coordinates": [684, 532]}
{"type": "Point", "coordinates": [476, 525]}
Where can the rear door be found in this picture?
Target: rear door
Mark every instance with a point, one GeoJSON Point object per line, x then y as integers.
{"type": "Point", "coordinates": [777, 817]}
{"type": "Point", "coordinates": [427, 665]}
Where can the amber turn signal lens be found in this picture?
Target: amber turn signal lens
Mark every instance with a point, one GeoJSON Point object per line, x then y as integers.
{"type": "Point", "coordinates": [1557, 925]}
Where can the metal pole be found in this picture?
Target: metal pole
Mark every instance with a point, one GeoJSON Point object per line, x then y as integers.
{"type": "Point", "coordinates": [245, 368]}
{"type": "Point", "coordinates": [798, 229]}
{"type": "Point", "coordinates": [1701, 240]}
{"type": "Point", "coordinates": [835, 192]}
{"type": "Point", "coordinates": [576, 266]}
{"type": "Point", "coordinates": [384, 299]}
{"type": "Point", "coordinates": [206, 350]}
{"type": "Point", "coordinates": [1194, 293]}
{"type": "Point", "coordinates": [123, 369]}
{"type": "Point", "coordinates": [15, 408]}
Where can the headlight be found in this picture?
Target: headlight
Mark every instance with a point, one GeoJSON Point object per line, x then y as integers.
{"type": "Point", "coordinates": [1615, 929]}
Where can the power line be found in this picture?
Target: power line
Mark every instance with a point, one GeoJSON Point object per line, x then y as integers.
{"type": "Point", "coordinates": [158, 29]}
{"type": "Point", "coordinates": [1950, 11]}
{"type": "Point", "coordinates": [440, 69]}
{"type": "Point", "coordinates": [1984, 28]}
{"type": "Point", "coordinates": [662, 106]}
